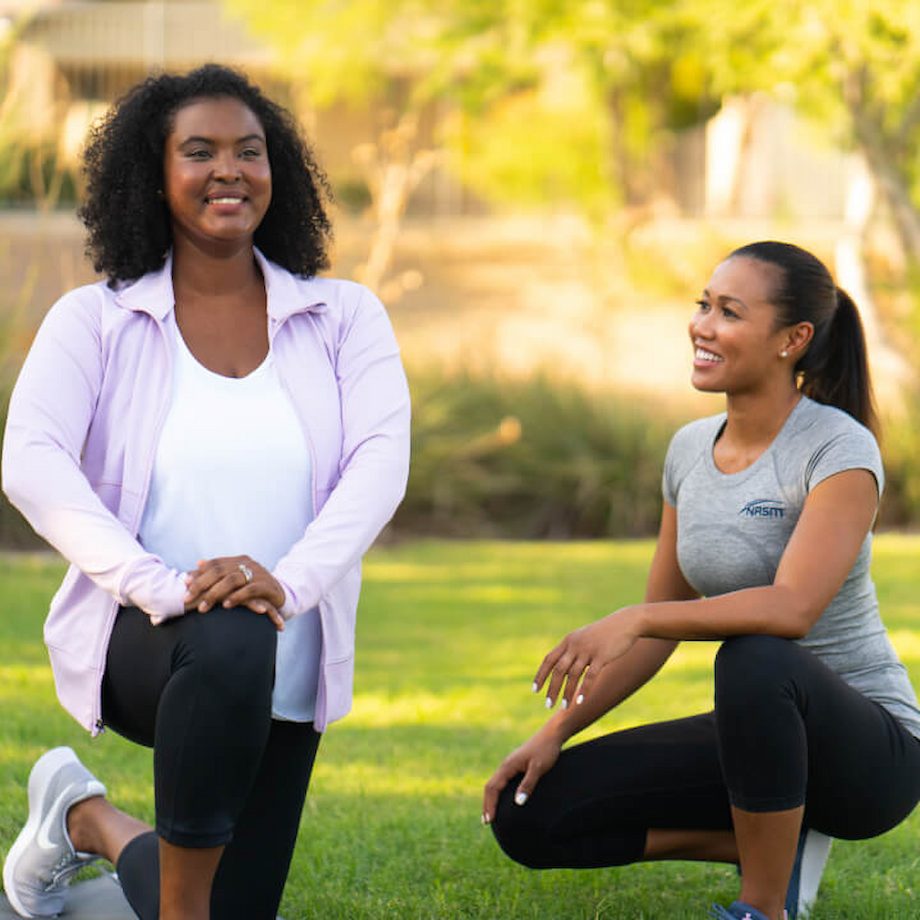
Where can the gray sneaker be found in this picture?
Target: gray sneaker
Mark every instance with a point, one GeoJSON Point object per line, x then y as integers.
{"type": "Point", "coordinates": [42, 860]}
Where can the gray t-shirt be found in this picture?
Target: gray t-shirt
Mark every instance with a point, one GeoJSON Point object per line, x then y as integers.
{"type": "Point", "coordinates": [732, 529]}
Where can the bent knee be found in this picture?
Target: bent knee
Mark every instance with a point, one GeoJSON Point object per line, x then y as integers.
{"type": "Point", "coordinates": [233, 648]}
{"type": "Point", "coordinates": [516, 830]}
{"type": "Point", "coordinates": [752, 658]}
{"type": "Point", "coordinates": [755, 674]}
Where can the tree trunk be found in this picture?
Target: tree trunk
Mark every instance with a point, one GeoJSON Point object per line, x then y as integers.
{"type": "Point", "coordinates": [394, 167]}
{"type": "Point", "coordinates": [893, 187]}
{"type": "Point", "coordinates": [891, 369]}
{"type": "Point", "coordinates": [881, 154]}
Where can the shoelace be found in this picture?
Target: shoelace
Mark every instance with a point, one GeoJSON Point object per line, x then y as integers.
{"type": "Point", "coordinates": [66, 866]}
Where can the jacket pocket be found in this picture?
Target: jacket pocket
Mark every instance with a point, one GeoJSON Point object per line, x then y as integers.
{"type": "Point", "coordinates": [339, 678]}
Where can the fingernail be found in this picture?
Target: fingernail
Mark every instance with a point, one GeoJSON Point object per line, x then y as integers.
{"type": "Point", "coordinates": [564, 704]}
{"type": "Point", "coordinates": [534, 688]}
{"type": "Point", "coordinates": [520, 798]}
{"type": "Point", "coordinates": [549, 703]}
{"type": "Point", "coordinates": [226, 603]}
{"type": "Point", "coordinates": [202, 607]}
{"type": "Point", "coordinates": [580, 699]}
{"type": "Point", "coordinates": [486, 818]}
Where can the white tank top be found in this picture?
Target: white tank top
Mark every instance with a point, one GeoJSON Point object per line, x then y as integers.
{"type": "Point", "coordinates": [232, 475]}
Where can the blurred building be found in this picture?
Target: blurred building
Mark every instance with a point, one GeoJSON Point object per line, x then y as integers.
{"type": "Point", "coordinates": [102, 47]}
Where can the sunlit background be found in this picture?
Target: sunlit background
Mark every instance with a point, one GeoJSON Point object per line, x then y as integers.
{"type": "Point", "coordinates": [538, 190]}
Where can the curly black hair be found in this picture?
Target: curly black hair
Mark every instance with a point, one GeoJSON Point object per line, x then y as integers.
{"type": "Point", "coordinates": [128, 223]}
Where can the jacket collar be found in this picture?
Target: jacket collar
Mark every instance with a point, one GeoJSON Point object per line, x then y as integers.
{"type": "Point", "coordinates": [286, 293]}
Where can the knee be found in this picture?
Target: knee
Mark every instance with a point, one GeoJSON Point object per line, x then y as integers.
{"type": "Point", "coordinates": [232, 651]}
{"type": "Point", "coordinates": [752, 669]}
{"type": "Point", "coordinates": [516, 830]}
{"type": "Point", "coordinates": [746, 660]}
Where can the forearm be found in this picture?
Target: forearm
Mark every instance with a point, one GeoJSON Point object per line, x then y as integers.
{"type": "Point", "coordinates": [51, 492]}
{"type": "Point", "coordinates": [774, 610]}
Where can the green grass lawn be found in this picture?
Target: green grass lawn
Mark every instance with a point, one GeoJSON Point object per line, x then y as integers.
{"type": "Point", "coordinates": [449, 637]}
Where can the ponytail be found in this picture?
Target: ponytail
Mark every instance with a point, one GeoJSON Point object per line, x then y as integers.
{"type": "Point", "coordinates": [835, 369]}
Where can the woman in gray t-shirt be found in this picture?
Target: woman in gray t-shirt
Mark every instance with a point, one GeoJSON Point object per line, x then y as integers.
{"type": "Point", "coordinates": [765, 543]}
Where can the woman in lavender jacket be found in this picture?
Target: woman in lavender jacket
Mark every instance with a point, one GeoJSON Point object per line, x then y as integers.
{"type": "Point", "coordinates": [212, 438]}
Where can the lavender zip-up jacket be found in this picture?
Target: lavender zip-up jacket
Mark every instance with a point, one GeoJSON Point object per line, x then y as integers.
{"type": "Point", "coordinates": [83, 425]}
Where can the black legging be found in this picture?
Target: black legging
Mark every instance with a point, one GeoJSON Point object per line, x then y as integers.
{"type": "Point", "coordinates": [198, 690]}
{"type": "Point", "coordinates": [786, 731]}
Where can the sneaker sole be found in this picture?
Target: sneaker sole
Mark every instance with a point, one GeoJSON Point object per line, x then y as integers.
{"type": "Point", "coordinates": [814, 859]}
{"type": "Point", "coordinates": [45, 767]}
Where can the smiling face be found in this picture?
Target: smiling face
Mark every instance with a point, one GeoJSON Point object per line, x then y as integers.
{"type": "Point", "coordinates": [737, 346]}
{"type": "Point", "coordinates": [217, 180]}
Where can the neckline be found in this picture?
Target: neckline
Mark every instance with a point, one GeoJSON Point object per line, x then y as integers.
{"type": "Point", "coordinates": [762, 458]}
{"type": "Point", "coordinates": [257, 371]}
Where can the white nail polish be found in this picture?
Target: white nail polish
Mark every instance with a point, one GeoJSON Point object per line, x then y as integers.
{"type": "Point", "coordinates": [548, 703]}
{"type": "Point", "coordinates": [534, 688]}
{"type": "Point", "coordinates": [486, 819]}
{"type": "Point", "coordinates": [520, 798]}
{"type": "Point", "coordinates": [564, 704]}
{"type": "Point", "coordinates": [580, 699]}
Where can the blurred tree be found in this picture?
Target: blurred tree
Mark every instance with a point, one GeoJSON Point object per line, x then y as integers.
{"type": "Point", "coordinates": [553, 102]}
{"type": "Point", "coordinates": [608, 84]}
{"type": "Point", "coordinates": [854, 67]}
{"type": "Point", "coordinates": [852, 64]}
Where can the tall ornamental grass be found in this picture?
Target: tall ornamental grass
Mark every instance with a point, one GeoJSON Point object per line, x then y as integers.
{"type": "Point", "coordinates": [538, 458]}
{"type": "Point", "coordinates": [528, 458]}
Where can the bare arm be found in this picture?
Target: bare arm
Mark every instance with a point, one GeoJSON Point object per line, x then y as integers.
{"type": "Point", "coordinates": [645, 659]}
{"type": "Point", "coordinates": [834, 522]}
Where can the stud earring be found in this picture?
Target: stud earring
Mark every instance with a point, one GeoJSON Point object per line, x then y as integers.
{"type": "Point", "coordinates": [784, 353]}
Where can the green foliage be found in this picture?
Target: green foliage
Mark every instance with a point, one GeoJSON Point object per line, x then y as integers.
{"type": "Point", "coordinates": [533, 151]}
{"type": "Point", "coordinates": [495, 456]}
{"type": "Point", "coordinates": [901, 453]}
{"type": "Point", "coordinates": [553, 102]}
{"type": "Point", "coordinates": [853, 65]}
{"type": "Point", "coordinates": [532, 458]}
{"type": "Point", "coordinates": [449, 636]}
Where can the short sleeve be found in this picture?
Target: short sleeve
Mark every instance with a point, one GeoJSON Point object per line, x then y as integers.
{"type": "Point", "coordinates": [853, 448]}
{"type": "Point", "coordinates": [679, 459]}
{"type": "Point", "coordinates": [686, 449]}
{"type": "Point", "coordinates": [669, 479]}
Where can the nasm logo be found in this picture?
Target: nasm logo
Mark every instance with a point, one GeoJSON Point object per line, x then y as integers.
{"type": "Point", "coordinates": [763, 508]}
